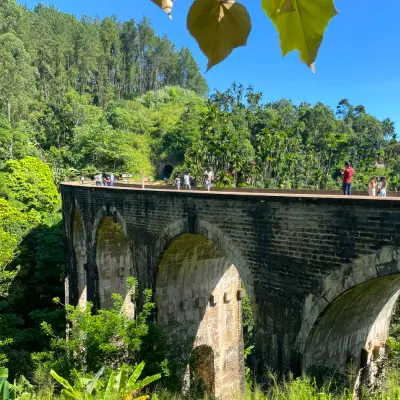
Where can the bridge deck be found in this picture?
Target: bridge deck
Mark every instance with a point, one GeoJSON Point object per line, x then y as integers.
{"type": "Point", "coordinates": [279, 193]}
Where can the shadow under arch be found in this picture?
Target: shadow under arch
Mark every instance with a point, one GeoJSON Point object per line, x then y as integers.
{"type": "Point", "coordinates": [349, 321]}
{"type": "Point", "coordinates": [78, 234]}
{"type": "Point", "coordinates": [215, 235]}
{"type": "Point", "coordinates": [113, 259]}
{"type": "Point", "coordinates": [198, 296]}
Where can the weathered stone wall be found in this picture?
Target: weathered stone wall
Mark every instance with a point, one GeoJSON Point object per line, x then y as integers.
{"type": "Point", "coordinates": [113, 261]}
{"type": "Point", "coordinates": [79, 246]}
{"type": "Point", "coordinates": [295, 255]}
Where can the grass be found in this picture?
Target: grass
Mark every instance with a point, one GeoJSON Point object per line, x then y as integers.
{"type": "Point", "coordinates": [303, 388]}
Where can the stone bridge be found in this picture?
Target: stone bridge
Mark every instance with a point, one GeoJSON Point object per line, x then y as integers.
{"type": "Point", "coordinates": [321, 272]}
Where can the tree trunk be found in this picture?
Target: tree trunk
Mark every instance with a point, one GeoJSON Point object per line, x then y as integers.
{"type": "Point", "coordinates": [9, 111]}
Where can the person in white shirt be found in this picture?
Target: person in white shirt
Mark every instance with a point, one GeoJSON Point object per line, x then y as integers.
{"type": "Point", "coordinates": [186, 181]}
{"type": "Point", "coordinates": [98, 180]}
{"type": "Point", "coordinates": [382, 187]}
{"type": "Point", "coordinates": [178, 182]}
{"type": "Point", "coordinates": [208, 174]}
{"type": "Point", "coordinates": [82, 179]}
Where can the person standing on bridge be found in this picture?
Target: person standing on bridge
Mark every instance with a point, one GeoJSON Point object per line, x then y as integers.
{"type": "Point", "coordinates": [186, 181]}
{"type": "Point", "coordinates": [372, 186]}
{"type": "Point", "coordinates": [208, 174]}
{"type": "Point", "coordinates": [178, 182]}
{"type": "Point", "coordinates": [347, 175]}
{"type": "Point", "coordinates": [112, 179]}
{"type": "Point", "coordinates": [207, 183]}
{"type": "Point", "coordinates": [382, 187]}
{"type": "Point", "coordinates": [98, 180]}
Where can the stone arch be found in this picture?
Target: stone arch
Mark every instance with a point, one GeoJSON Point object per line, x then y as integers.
{"type": "Point", "coordinates": [219, 238]}
{"type": "Point", "coordinates": [108, 211]}
{"type": "Point", "coordinates": [198, 297]}
{"type": "Point", "coordinates": [80, 255]}
{"type": "Point", "coordinates": [351, 315]}
{"type": "Point", "coordinates": [114, 259]}
{"type": "Point", "coordinates": [202, 370]}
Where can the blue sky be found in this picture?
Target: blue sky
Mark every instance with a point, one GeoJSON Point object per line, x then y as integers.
{"type": "Point", "coordinates": [359, 58]}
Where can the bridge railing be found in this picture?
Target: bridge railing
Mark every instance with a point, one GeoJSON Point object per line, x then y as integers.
{"type": "Point", "coordinates": [125, 184]}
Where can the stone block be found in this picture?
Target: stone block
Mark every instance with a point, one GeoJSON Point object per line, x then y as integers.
{"type": "Point", "coordinates": [213, 300]}
{"type": "Point", "coordinates": [227, 297]}
{"type": "Point", "coordinates": [170, 308]}
{"type": "Point", "coordinates": [200, 302]}
{"type": "Point", "coordinates": [240, 294]}
{"type": "Point", "coordinates": [184, 305]}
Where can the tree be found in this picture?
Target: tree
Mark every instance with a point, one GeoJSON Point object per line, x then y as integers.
{"type": "Point", "coordinates": [29, 183]}
{"type": "Point", "coordinates": [10, 15]}
{"type": "Point", "coordinates": [16, 73]}
{"type": "Point", "coordinates": [13, 227]}
{"type": "Point", "coordinates": [14, 143]}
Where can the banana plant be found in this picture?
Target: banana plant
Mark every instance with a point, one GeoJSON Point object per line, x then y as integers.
{"type": "Point", "coordinates": [126, 387]}
{"type": "Point", "coordinates": [83, 386]}
{"type": "Point", "coordinates": [4, 385]}
{"type": "Point", "coordinates": [119, 386]}
{"type": "Point", "coordinates": [4, 389]}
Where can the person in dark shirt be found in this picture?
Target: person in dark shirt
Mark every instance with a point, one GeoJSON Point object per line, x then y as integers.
{"type": "Point", "coordinates": [347, 175]}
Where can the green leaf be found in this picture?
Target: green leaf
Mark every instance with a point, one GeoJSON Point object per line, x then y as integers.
{"type": "Point", "coordinates": [121, 379]}
{"type": "Point", "coordinates": [110, 385]}
{"type": "Point", "coordinates": [4, 389]}
{"type": "Point", "coordinates": [218, 27]}
{"type": "Point", "coordinates": [77, 379]}
{"type": "Point", "coordinates": [90, 387]}
{"type": "Point", "coordinates": [135, 375]}
{"type": "Point", "coordinates": [301, 24]}
{"type": "Point", "coordinates": [146, 381]}
{"type": "Point", "coordinates": [165, 5]}
{"type": "Point", "coordinates": [3, 372]}
{"type": "Point", "coordinates": [68, 389]}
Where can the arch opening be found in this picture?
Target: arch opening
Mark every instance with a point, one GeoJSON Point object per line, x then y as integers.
{"type": "Point", "coordinates": [349, 337]}
{"type": "Point", "coordinates": [79, 246]}
{"type": "Point", "coordinates": [114, 263]}
{"type": "Point", "coordinates": [167, 171]}
{"type": "Point", "coordinates": [198, 296]}
{"type": "Point", "coordinates": [202, 370]}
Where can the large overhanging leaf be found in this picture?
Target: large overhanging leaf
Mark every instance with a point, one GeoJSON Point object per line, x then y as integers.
{"type": "Point", "coordinates": [301, 24]}
{"type": "Point", "coordinates": [218, 27]}
{"type": "Point", "coordinates": [165, 5]}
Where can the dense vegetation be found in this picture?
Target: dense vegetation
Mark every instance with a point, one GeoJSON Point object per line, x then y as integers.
{"type": "Point", "coordinates": [88, 96]}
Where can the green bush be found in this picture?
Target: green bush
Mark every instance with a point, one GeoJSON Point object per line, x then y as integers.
{"type": "Point", "coordinates": [108, 338]}
{"type": "Point", "coordinates": [29, 182]}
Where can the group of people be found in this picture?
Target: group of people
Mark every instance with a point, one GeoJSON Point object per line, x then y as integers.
{"type": "Point", "coordinates": [104, 180]}
{"type": "Point", "coordinates": [187, 179]}
{"type": "Point", "coordinates": [375, 188]}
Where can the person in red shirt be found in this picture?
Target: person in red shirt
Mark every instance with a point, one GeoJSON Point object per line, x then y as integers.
{"type": "Point", "coordinates": [347, 175]}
